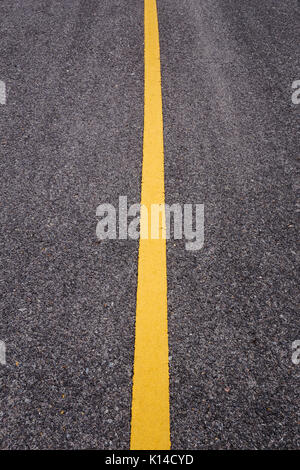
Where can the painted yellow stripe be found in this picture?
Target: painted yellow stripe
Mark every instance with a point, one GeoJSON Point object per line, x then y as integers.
{"type": "Point", "coordinates": [150, 425]}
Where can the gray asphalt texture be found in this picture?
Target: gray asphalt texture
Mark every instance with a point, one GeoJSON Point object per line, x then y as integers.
{"type": "Point", "coordinates": [70, 139]}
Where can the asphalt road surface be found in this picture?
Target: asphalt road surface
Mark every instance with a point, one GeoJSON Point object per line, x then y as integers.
{"type": "Point", "coordinates": [71, 136]}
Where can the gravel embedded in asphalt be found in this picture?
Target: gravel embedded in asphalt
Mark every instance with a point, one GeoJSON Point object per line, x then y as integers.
{"type": "Point", "coordinates": [71, 139]}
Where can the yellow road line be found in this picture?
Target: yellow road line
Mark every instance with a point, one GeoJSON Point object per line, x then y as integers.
{"type": "Point", "coordinates": [150, 424]}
